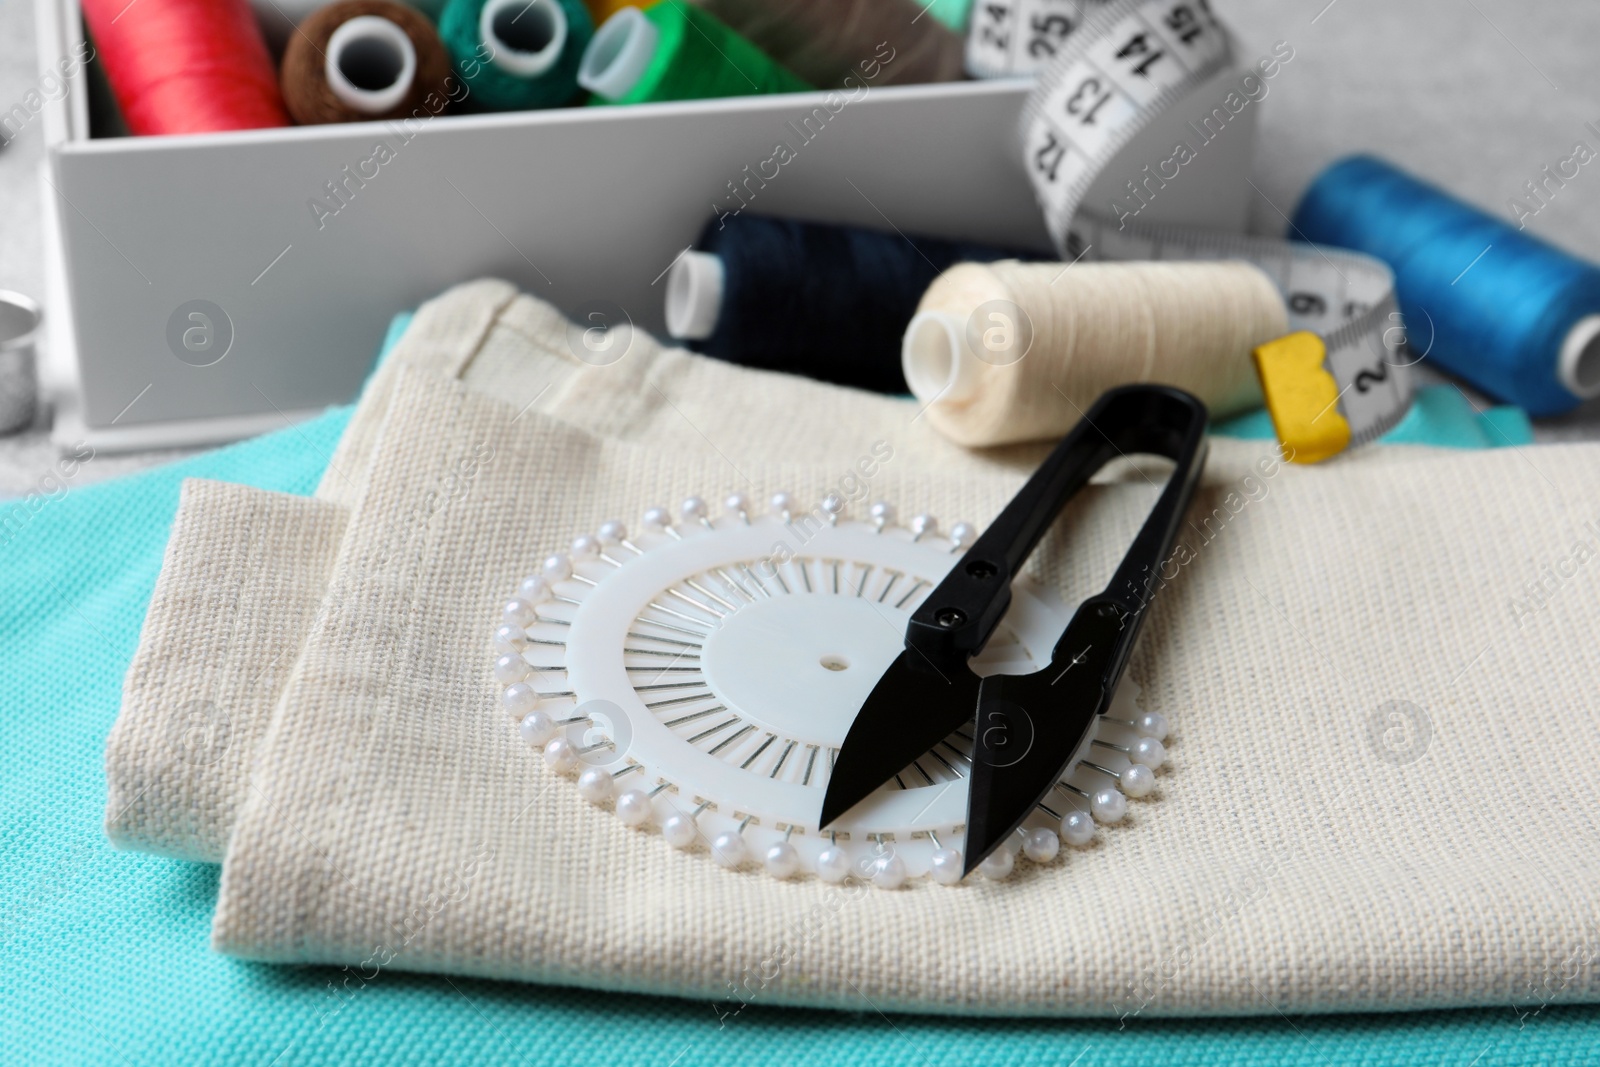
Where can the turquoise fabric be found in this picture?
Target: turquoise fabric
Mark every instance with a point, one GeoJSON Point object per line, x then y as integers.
{"type": "Point", "coordinates": [953, 13]}
{"type": "Point", "coordinates": [104, 955]}
{"type": "Point", "coordinates": [1439, 416]}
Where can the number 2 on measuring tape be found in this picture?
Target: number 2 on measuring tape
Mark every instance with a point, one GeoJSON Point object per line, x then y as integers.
{"type": "Point", "coordinates": [1368, 378]}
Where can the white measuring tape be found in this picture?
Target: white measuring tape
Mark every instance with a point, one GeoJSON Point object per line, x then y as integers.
{"type": "Point", "coordinates": [1107, 72]}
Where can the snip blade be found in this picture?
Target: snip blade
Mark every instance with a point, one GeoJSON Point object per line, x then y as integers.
{"type": "Point", "coordinates": [914, 706]}
{"type": "Point", "coordinates": [1025, 739]}
{"type": "Point", "coordinates": [1030, 725]}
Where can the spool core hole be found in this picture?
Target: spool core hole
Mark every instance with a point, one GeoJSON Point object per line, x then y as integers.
{"type": "Point", "coordinates": [835, 663]}
{"type": "Point", "coordinates": [371, 63]}
{"type": "Point", "coordinates": [1586, 368]}
{"type": "Point", "coordinates": [618, 55]}
{"type": "Point", "coordinates": [694, 295]}
{"type": "Point", "coordinates": [524, 27]}
{"type": "Point", "coordinates": [19, 317]}
{"type": "Point", "coordinates": [607, 46]}
{"type": "Point", "coordinates": [1578, 363]}
{"type": "Point", "coordinates": [929, 359]}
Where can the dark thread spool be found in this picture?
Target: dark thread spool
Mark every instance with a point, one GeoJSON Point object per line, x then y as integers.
{"type": "Point", "coordinates": [829, 302]}
{"type": "Point", "coordinates": [338, 69]}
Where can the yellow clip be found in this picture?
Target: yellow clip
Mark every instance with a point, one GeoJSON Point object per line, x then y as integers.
{"type": "Point", "coordinates": [1302, 397]}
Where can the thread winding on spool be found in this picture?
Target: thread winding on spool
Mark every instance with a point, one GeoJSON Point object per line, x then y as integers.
{"type": "Point", "coordinates": [517, 53]}
{"type": "Point", "coordinates": [673, 51]}
{"type": "Point", "coordinates": [1516, 317]}
{"type": "Point", "coordinates": [953, 13]}
{"type": "Point", "coordinates": [600, 10]}
{"type": "Point", "coordinates": [361, 60]}
{"type": "Point", "coordinates": [825, 301]}
{"type": "Point", "coordinates": [1008, 351]}
{"type": "Point", "coordinates": [824, 41]}
{"type": "Point", "coordinates": [278, 18]}
{"type": "Point", "coordinates": [186, 66]}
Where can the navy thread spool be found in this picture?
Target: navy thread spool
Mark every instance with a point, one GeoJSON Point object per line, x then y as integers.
{"type": "Point", "coordinates": [1514, 316]}
{"type": "Point", "coordinates": [829, 302]}
{"type": "Point", "coordinates": [517, 54]}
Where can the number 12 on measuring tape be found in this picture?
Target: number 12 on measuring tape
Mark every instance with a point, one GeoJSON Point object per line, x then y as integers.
{"type": "Point", "coordinates": [1057, 163]}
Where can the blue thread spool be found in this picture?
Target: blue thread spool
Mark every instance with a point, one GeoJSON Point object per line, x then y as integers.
{"type": "Point", "coordinates": [1516, 317]}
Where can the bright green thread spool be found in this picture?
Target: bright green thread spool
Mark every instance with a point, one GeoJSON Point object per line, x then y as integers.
{"type": "Point", "coordinates": [516, 54]}
{"type": "Point", "coordinates": [675, 51]}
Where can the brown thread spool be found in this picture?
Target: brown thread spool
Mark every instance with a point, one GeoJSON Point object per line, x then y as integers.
{"type": "Point", "coordinates": [362, 60]}
{"type": "Point", "coordinates": [825, 41]}
{"type": "Point", "coordinates": [1008, 351]}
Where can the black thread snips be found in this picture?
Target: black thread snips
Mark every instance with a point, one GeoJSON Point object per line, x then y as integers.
{"type": "Point", "coordinates": [1028, 727]}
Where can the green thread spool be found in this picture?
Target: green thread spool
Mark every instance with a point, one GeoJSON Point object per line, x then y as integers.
{"type": "Point", "coordinates": [675, 51]}
{"type": "Point", "coordinates": [517, 54]}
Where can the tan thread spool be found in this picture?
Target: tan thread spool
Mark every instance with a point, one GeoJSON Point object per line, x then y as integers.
{"type": "Point", "coordinates": [1093, 326]}
{"type": "Point", "coordinates": [825, 41]}
{"type": "Point", "coordinates": [387, 69]}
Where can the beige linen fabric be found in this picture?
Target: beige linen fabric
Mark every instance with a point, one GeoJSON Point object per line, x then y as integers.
{"type": "Point", "coordinates": [1306, 853]}
{"type": "Point", "coordinates": [518, 350]}
{"type": "Point", "coordinates": [244, 573]}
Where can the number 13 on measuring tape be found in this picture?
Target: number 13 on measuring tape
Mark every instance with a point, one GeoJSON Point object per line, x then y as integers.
{"type": "Point", "coordinates": [1339, 378]}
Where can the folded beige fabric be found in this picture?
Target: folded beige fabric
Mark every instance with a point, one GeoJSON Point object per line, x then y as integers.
{"type": "Point", "coordinates": [521, 351]}
{"type": "Point", "coordinates": [244, 574]}
{"type": "Point", "coordinates": [1314, 846]}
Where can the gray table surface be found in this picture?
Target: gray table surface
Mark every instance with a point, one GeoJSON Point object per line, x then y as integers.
{"type": "Point", "coordinates": [1475, 95]}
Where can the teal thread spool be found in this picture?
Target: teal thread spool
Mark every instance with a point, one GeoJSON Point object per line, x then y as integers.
{"type": "Point", "coordinates": [517, 54]}
{"type": "Point", "coordinates": [1513, 315]}
{"type": "Point", "coordinates": [675, 51]}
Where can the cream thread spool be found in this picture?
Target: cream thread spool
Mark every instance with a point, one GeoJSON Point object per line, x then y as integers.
{"type": "Point", "coordinates": [1009, 351]}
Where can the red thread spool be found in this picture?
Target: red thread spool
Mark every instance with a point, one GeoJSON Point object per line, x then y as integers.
{"type": "Point", "coordinates": [186, 66]}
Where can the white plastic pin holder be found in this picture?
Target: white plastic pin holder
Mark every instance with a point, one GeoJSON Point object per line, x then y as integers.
{"type": "Point", "coordinates": [699, 677]}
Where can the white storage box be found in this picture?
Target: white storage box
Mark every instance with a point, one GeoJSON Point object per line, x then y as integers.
{"type": "Point", "coordinates": [584, 206]}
